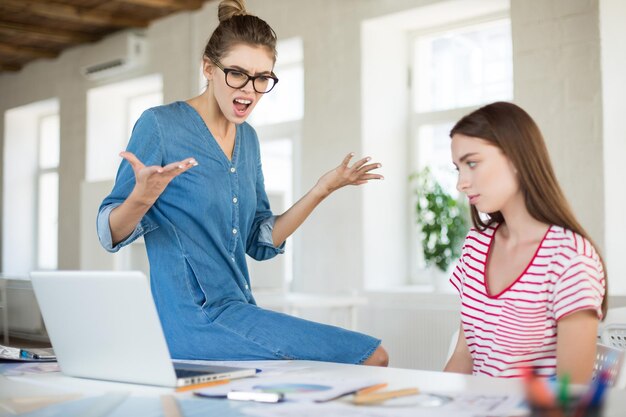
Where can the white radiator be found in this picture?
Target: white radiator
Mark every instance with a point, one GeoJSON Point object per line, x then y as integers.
{"type": "Point", "coordinates": [415, 328]}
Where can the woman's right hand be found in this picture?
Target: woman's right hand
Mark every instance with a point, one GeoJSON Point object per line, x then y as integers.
{"type": "Point", "coordinates": [151, 181]}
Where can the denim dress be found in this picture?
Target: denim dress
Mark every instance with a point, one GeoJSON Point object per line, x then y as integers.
{"type": "Point", "coordinates": [197, 235]}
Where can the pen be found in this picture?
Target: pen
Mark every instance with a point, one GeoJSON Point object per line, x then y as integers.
{"type": "Point", "coordinates": [26, 354]}
{"type": "Point", "coordinates": [600, 387]}
{"type": "Point", "coordinates": [170, 406]}
{"type": "Point", "coordinates": [564, 391]}
{"type": "Point", "coordinates": [537, 391]}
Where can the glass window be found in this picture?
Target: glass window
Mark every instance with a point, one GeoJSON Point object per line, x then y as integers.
{"type": "Point", "coordinates": [433, 150]}
{"type": "Point", "coordinates": [138, 104]}
{"type": "Point", "coordinates": [454, 71]}
{"type": "Point", "coordinates": [286, 101]}
{"type": "Point", "coordinates": [47, 230]}
{"type": "Point", "coordinates": [112, 111]}
{"type": "Point", "coordinates": [276, 155]}
{"type": "Point", "coordinates": [276, 119]}
{"type": "Point", "coordinates": [49, 146]}
{"type": "Point", "coordinates": [48, 192]}
{"type": "Point", "coordinates": [463, 67]}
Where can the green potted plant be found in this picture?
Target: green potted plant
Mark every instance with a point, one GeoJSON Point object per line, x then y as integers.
{"type": "Point", "coordinates": [443, 221]}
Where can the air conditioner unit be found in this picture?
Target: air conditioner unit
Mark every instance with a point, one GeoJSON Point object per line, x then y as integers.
{"type": "Point", "coordinates": [114, 55]}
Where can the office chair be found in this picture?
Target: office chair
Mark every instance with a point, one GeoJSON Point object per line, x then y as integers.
{"type": "Point", "coordinates": [610, 354]}
{"type": "Point", "coordinates": [614, 335]}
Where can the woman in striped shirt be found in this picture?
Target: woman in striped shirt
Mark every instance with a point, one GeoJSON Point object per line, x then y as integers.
{"type": "Point", "coordinates": [532, 285]}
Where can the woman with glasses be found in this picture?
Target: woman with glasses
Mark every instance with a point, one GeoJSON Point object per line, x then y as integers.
{"type": "Point", "coordinates": [191, 183]}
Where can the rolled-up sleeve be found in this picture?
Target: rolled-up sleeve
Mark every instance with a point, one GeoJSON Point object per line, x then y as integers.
{"type": "Point", "coordinates": [104, 231]}
{"type": "Point", "coordinates": [146, 144]}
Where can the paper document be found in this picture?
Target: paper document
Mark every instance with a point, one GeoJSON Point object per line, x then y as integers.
{"type": "Point", "coordinates": [7, 352]}
{"type": "Point", "coordinates": [17, 368]}
{"type": "Point", "coordinates": [422, 405]}
{"type": "Point", "coordinates": [317, 389]}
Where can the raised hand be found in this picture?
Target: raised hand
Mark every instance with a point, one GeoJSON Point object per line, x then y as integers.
{"type": "Point", "coordinates": [357, 174]}
{"type": "Point", "coordinates": [151, 181]}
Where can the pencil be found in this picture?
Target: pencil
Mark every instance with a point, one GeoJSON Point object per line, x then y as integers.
{"type": "Point", "coordinates": [202, 385]}
{"type": "Point", "coordinates": [370, 389]}
{"type": "Point", "coordinates": [378, 397]}
{"type": "Point", "coordinates": [170, 406]}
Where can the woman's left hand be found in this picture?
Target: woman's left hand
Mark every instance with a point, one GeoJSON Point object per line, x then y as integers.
{"type": "Point", "coordinates": [357, 174]}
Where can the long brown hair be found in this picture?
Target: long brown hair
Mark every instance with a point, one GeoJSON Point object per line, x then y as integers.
{"type": "Point", "coordinates": [238, 27]}
{"type": "Point", "coordinates": [511, 129]}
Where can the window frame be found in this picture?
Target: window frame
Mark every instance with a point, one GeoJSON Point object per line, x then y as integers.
{"type": "Point", "coordinates": [417, 273]}
{"type": "Point", "coordinates": [39, 174]}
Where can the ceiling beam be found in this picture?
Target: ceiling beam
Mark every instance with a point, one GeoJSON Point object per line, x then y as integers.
{"type": "Point", "coordinates": [173, 4]}
{"type": "Point", "coordinates": [23, 51]}
{"type": "Point", "coordinates": [70, 13]}
{"type": "Point", "coordinates": [10, 67]}
{"type": "Point", "coordinates": [36, 33]}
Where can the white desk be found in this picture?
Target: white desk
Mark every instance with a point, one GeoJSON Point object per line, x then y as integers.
{"type": "Point", "coordinates": [145, 401]}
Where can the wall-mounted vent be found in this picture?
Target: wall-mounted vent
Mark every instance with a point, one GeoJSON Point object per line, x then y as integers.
{"type": "Point", "coordinates": [116, 55]}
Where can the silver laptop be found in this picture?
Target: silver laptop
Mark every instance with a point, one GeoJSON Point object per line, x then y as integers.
{"type": "Point", "coordinates": [104, 325]}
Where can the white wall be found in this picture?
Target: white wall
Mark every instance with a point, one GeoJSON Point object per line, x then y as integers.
{"type": "Point", "coordinates": [557, 70]}
{"type": "Point", "coordinates": [612, 35]}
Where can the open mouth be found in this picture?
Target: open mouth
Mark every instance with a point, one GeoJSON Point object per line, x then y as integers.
{"type": "Point", "coordinates": [241, 105]}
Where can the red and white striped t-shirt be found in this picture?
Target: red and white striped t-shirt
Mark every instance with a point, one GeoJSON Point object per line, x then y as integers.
{"type": "Point", "coordinates": [517, 328]}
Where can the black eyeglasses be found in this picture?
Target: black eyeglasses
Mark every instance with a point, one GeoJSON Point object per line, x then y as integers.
{"type": "Point", "coordinates": [237, 79]}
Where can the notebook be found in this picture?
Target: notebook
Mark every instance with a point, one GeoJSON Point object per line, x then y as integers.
{"type": "Point", "coordinates": [104, 325]}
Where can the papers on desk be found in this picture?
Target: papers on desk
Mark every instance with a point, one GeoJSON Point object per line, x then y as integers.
{"type": "Point", "coordinates": [17, 368]}
{"type": "Point", "coordinates": [310, 389]}
{"type": "Point", "coordinates": [465, 405]}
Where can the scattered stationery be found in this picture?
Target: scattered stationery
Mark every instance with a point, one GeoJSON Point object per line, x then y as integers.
{"type": "Point", "coordinates": [561, 400]}
{"type": "Point", "coordinates": [373, 388]}
{"type": "Point", "coordinates": [261, 397]}
{"type": "Point", "coordinates": [300, 389]}
{"type": "Point", "coordinates": [464, 405]}
{"type": "Point", "coordinates": [377, 397]}
{"type": "Point", "coordinates": [26, 355]}
{"type": "Point", "coordinates": [38, 354]}
{"type": "Point", "coordinates": [14, 368]}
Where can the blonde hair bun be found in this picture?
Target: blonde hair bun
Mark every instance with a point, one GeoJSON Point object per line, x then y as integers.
{"type": "Point", "coordinates": [230, 8]}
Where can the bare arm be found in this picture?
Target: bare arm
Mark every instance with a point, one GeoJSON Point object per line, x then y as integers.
{"type": "Point", "coordinates": [150, 182]}
{"type": "Point", "coordinates": [461, 360]}
{"type": "Point", "coordinates": [576, 345]}
{"type": "Point", "coordinates": [343, 175]}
